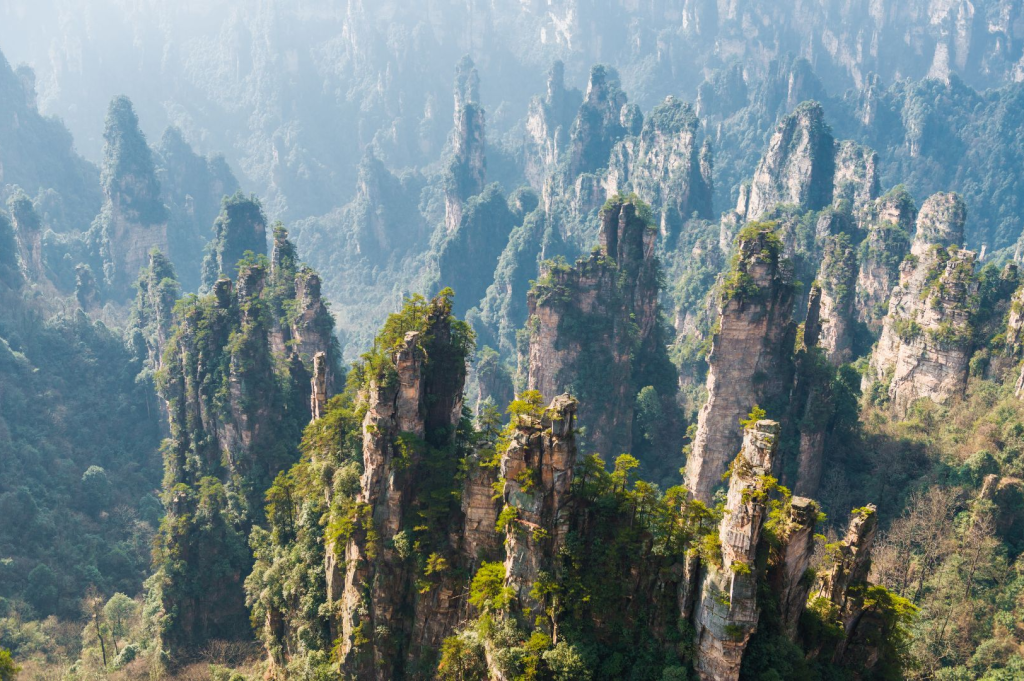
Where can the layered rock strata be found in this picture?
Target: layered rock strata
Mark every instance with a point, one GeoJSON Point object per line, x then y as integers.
{"type": "Point", "coordinates": [407, 413]}
{"type": "Point", "coordinates": [788, 577]}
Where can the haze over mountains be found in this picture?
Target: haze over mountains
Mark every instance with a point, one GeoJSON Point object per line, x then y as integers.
{"type": "Point", "coordinates": [561, 340]}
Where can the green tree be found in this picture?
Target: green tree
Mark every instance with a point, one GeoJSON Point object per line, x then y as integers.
{"type": "Point", "coordinates": [8, 670]}
{"type": "Point", "coordinates": [119, 611]}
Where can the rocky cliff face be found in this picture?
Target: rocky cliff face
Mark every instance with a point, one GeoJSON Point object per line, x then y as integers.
{"type": "Point", "coordinates": [241, 227]}
{"type": "Point", "coordinates": [133, 220]}
{"type": "Point", "coordinates": [667, 166]}
{"type": "Point", "coordinates": [926, 336]}
{"type": "Point", "coordinates": [548, 123]}
{"type": "Point", "coordinates": [412, 410]}
{"type": "Point", "coordinates": [856, 173]}
{"type": "Point", "coordinates": [748, 363]}
{"type": "Point", "coordinates": [192, 187]}
{"type": "Point", "coordinates": [583, 320]}
{"type": "Point", "coordinates": [838, 280]}
{"type": "Point", "coordinates": [598, 125]}
{"type": "Point", "coordinates": [797, 168]}
{"type": "Point", "coordinates": [537, 469]}
{"type": "Point", "coordinates": [470, 250]}
{"type": "Point", "coordinates": [788, 576]}
{"type": "Point", "coordinates": [728, 611]}
{"type": "Point", "coordinates": [889, 224]}
{"type": "Point", "coordinates": [467, 166]}
{"type": "Point", "coordinates": [842, 583]}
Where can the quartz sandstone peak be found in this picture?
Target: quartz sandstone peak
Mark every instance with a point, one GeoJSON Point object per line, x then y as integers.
{"type": "Point", "coordinates": [926, 338]}
{"type": "Point", "coordinates": [614, 294]}
{"type": "Point", "coordinates": [728, 611]}
{"type": "Point", "coordinates": [667, 165]}
{"type": "Point", "coordinates": [537, 469]}
{"type": "Point", "coordinates": [749, 359]}
{"type": "Point", "coordinates": [797, 168]}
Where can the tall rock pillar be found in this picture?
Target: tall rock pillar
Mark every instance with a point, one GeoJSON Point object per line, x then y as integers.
{"type": "Point", "coordinates": [749, 360]}
{"type": "Point", "coordinates": [727, 613]}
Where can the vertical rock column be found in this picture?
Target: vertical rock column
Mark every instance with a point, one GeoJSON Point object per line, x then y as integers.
{"type": "Point", "coordinates": [586, 316]}
{"type": "Point", "coordinates": [727, 612]}
{"type": "Point", "coordinates": [889, 222]}
{"type": "Point", "coordinates": [376, 578]}
{"type": "Point", "coordinates": [848, 567]}
{"type": "Point", "coordinates": [787, 578]}
{"type": "Point", "coordinates": [749, 360]}
{"type": "Point", "coordinates": [466, 170]}
{"type": "Point", "coordinates": [537, 469]}
{"type": "Point", "coordinates": [318, 398]}
{"type": "Point", "coordinates": [838, 280]}
{"type": "Point", "coordinates": [924, 348]}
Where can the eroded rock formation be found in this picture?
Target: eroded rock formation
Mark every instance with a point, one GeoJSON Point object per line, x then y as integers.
{"type": "Point", "coordinates": [788, 577]}
{"type": "Point", "coordinates": [548, 123]}
{"type": "Point", "coordinates": [838, 280]}
{"type": "Point", "coordinates": [667, 166]}
{"type": "Point", "coordinates": [926, 336]}
{"type": "Point", "coordinates": [240, 228]}
{"type": "Point", "coordinates": [584, 319]}
{"type": "Point", "coordinates": [467, 166]}
{"type": "Point", "coordinates": [797, 168]}
{"type": "Point", "coordinates": [537, 469]}
{"type": "Point", "coordinates": [727, 613]}
{"type": "Point", "coordinates": [408, 415]}
{"type": "Point", "coordinates": [889, 223]}
{"type": "Point", "coordinates": [749, 359]}
{"type": "Point", "coordinates": [133, 220]}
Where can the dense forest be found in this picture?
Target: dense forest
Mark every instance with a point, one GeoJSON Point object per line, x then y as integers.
{"type": "Point", "coordinates": [583, 340]}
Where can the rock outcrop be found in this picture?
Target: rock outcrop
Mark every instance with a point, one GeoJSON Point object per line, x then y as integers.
{"type": "Point", "coordinates": [233, 416]}
{"type": "Point", "coordinates": [926, 336]}
{"type": "Point", "coordinates": [856, 174]}
{"type": "Point", "coordinates": [548, 124]}
{"type": "Point", "coordinates": [537, 469]}
{"type": "Point", "coordinates": [889, 223]}
{"type": "Point", "coordinates": [28, 233]}
{"type": "Point", "coordinates": [467, 166]}
{"type": "Point", "coordinates": [318, 386]}
{"type": "Point", "coordinates": [797, 168]}
{"type": "Point", "coordinates": [667, 166]}
{"type": "Point", "coordinates": [838, 280]}
{"type": "Point", "coordinates": [583, 320]}
{"type": "Point", "coordinates": [789, 576]}
{"type": "Point", "coordinates": [240, 228]}
{"type": "Point", "coordinates": [749, 359]}
{"type": "Point", "coordinates": [409, 415]}
{"type": "Point", "coordinates": [598, 124]}
{"type": "Point", "coordinates": [133, 220]}
{"type": "Point", "coordinates": [727, 613]}
{"type": "Point", "coordinates": [848, 567]}
{"type": "Point", "coordinates": [469, 251]}
{"type": "Point", "coordinates": [192, 187]}
{"type": "Point", "coordinates": [152, 316]}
